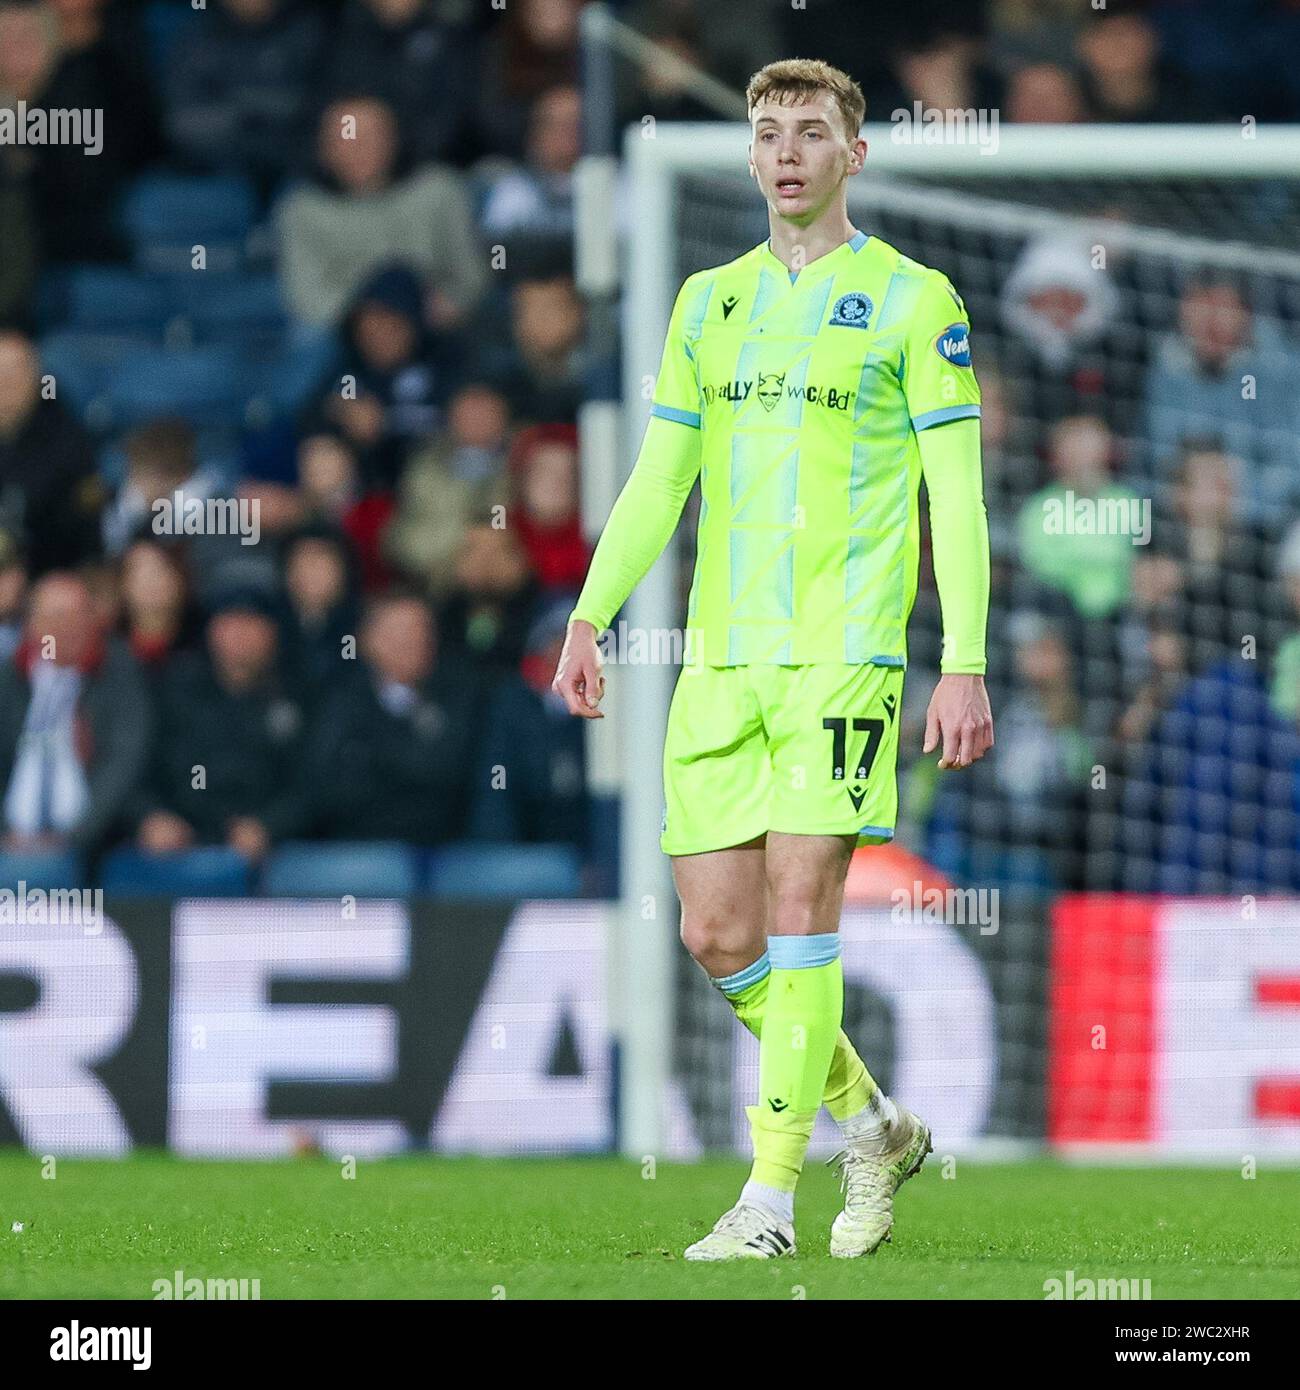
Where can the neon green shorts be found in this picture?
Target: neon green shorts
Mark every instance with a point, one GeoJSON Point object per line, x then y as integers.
{"type": "Point", "coordinates": [809, 750]}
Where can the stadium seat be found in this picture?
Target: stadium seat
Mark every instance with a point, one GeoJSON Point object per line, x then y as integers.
{"type": "Point", "coordinates": [166, 215]}
{"type": "Point", "coordinates": [505, 871]}
{"type": "Point", "coordinates": [104, 299]}
{"type": "Point", "coordinates": [210, 872]}
{"type": "Point", "coordinates": [40, 869]}
{"type": "Point", "coordinates": [328, 870]}
{"type": "Point", "coordinates": [224, 308]}
{"type": "Point", "coordinates": [164, 23]}
{"type": "Point", "coordinates": [84, 366]}
{"type": "Point", "coordinates": [207, 385]}
{"type": "Point", "coordinates": [287, 381]}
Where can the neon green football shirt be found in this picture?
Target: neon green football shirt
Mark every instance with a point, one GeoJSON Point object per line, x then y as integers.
{"type": "Point", "coordinates": [808, 389]}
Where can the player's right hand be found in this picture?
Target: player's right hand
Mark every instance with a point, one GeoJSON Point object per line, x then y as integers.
{"type": "Point", "coordinates": [577, 677]}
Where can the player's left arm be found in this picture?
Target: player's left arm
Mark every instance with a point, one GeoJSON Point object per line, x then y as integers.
{"type": "Point", "coordinates": [943, 399]}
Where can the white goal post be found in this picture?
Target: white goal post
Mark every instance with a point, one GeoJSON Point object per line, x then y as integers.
{"type": "Point", "coordinates": [655, 157]}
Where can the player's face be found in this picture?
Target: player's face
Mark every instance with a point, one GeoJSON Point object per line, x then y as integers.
{"type": "Point", "coordinates": [800, 155]}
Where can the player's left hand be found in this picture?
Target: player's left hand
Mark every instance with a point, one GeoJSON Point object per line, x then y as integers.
{"type": "Point", "coordinates": [960, 715]}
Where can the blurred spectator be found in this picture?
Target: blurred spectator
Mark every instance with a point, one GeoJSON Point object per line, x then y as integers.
{"type": "Point", "coordinates": [392, 748]}
{"type": "Point", "coordinates": [536, 201]}
{"type": "Point", "coordinates": [541, 369]}
{"type": "Point", "coordinates": [1006, 453]}
{"type": "Point", "coordinates": [1044, 94]}
{"type": "Point", "coordinates": [74, 725]}
{"type": "Point", "coordinates": [485, 621]}
{"type": "Point", "coordinates": [395, 378]}
{"type": "Point", "coordinates": [160, 461]}
{"type": "Point", "coordinates": [1123, 77]}
{"type": "Point", "coordinates": [13, 594]}
{"type": "Point", "coordinates": [239, 87]}
{"type": "Point", "coordinates": [940, 68]}
{"type": "Point", "coordinates": [459, 475]}
{"type": "Point", "coordinates": [531, 783]}
{"type": "Point", "coordinates": [227, 763]}
{"type": "Point", "coordinates": [1023, 31]}
{"type": "Point", "coordinates": [18, 230]}
{"type": "Point", "coordinates": [74, 192]}
{"type": "Point", "coordinates": [1210, 805]}
{"type": "Point", "coordinates": [422, 65]}
{"type": "Point", "coordinates": [321, 586]}
{"type": "Point", "coordinates": [157, 615]}
{"type": "Point", "coordinates": [1226, 561]}
{"type": "Point", "coordinates": [1046, 757]}
{"type": "Point", "coordinates": [103, 579]}
{"type": "Point", "coordinates": [1226, 371]}
{"type": "Point", "coordinates": [50, 492]}
{"type": "Point", "coordinates": [728, 39]}
{"type": "Point", "coordinates": [533, 48]}
{"type": "Point", "coordinates": [332, 491]}
{"type": "Point", "coordinates": [1165, 668]}
{"type": "Point", "coordinates": [1067, 340]}
{"type": "Point", "coordinates": [336, 233]}
{"type": "Point", "coordinates": [1078, 534]}
{"type": "Point", "coordinates": [1033, 790]}
{"type": "Point", "coordinates": [544, 468]}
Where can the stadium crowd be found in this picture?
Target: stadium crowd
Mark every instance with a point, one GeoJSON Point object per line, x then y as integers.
{"type": "Point", "coordinates": [322, 268]}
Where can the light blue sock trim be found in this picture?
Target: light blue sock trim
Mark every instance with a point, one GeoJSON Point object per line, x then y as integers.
{"type": "Point", "coordinates": [731, 985]}
{"type": "Point", "coordinates": [803, 952]}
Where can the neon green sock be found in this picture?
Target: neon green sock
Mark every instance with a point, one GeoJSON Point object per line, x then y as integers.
{"type": "Point", "coordinates": [849, 1085]}
{"type": "Point", "coordinates": [805, 1002]}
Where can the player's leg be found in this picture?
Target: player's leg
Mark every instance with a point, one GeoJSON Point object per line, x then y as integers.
{"type": "Point", "coordinates": [724, 903]}
{"type": "Point", "coordinates": [805, 1002]}
{"type": "Point", "coordinates": [834, 741]}
{"type": "Point", "coordinates": [716, 783]}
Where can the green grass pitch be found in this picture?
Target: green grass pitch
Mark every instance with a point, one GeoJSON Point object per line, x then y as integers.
{"type": "Point", "coordinates": [423, 1227]}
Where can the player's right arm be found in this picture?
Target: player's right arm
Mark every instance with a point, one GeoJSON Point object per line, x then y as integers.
{"type": "Point", "coordinates": [643, 518]}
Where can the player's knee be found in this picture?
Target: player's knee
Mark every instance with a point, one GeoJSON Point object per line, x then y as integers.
{"type": "Point", "coordinates": [705, 933]}
{"type": "Point", "coordinates": [802, 912]}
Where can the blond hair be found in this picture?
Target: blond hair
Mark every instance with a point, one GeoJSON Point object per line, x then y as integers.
{"type": "Point", "coordinates": [794, 80]}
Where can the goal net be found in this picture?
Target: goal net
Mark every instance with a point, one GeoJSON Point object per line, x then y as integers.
{"type": "Point", "coordinates": [1134, 296]}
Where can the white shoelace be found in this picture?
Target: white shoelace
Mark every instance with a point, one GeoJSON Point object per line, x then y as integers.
{"type": "Point", "coordinates": [865, 1183]}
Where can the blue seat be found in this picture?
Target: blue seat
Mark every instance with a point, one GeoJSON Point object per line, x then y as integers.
{"type": "Point", "coordinates": [40, 869]}
{"type": "Point", "coordinates": [329, 870]}
{"type": "Point", "coordinates": [210, 872]}
{"type": "Point", "coordinates": [166, 215]}
{"type": "Point", "coordinates": [220, 308]}
{"type": "Point", "coordinates": [86, 366]}
{"type": "Point", "coordinates": [164, 23]}
{"type": "Point", "coordinates": [207, 385]}
{"type": "Point", "coordinates": [105, 299]}
{"type": "Point", "coordinates": [505, 871]}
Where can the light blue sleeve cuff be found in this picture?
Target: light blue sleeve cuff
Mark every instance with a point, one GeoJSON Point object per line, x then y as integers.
{"type": "Point", "coordinates": [682, 417]}
{"type": "Point", "coordinates": [941, 417]}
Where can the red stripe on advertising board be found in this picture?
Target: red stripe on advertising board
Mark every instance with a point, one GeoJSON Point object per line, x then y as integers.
{"type": "Point", "coordinates": [1277, 989]}
{"type": "Point", "coordinates": [1102, 1027]}
{"type": "Point", "coordinates": [1277, 1100]}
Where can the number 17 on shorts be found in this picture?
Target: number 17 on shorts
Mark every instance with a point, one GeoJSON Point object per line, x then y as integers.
{"type": "Point", "coordinates": [809, 750]}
